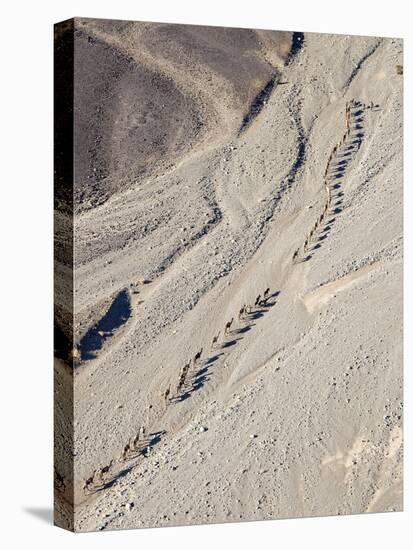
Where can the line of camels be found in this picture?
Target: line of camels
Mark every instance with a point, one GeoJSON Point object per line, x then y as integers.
{"type": "Point", "coordinates": [142, 443]}
{"type": "Point", "coordinates": [244, 313]}
{"type": "Point", "coordinates": [345, 147]}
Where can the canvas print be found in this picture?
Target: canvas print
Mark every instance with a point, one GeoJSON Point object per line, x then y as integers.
{"type": "Point", "coordinates": [228, 274]}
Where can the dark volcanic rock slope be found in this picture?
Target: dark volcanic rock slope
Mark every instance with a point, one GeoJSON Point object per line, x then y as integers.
{"type": "Point", "coordinates": [146, 94]}
{"type": "Point", "coordinates": [127, 119]}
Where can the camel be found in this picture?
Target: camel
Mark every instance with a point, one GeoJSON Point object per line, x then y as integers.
{"type": "Point", "coordinates": [135, 441]}
{"type": "Point", "coordinates": [166, 393]}
{"type": "Point", "coordinates": [125, 452]}
{"type": "Point", "coordinates": [266, 292]}
{"type": "Point", "coordinates": [198, 355]}
{"type": "Point", "coordinates": [106, 469]}
{"type": "Point", "coordinates": [181, 381]}
{"type": "Point", "coordinates": [257, 300]}
{"type": "Point", "coordinates": [228, 325]}
{"type": "Point", "coordinates": [182, 376]}
{"type": "Point", "coordinates": [241, 313]}
{"type": "Point", "coordinates": [89, 481]}
{"type": "Point", "coordinates": [215, 340]}
{"type": "Point", "coordinates": [295, 255]}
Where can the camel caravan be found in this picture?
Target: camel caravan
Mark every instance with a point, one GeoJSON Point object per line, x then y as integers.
{"type": "Point", "coordinates": [138, 444]}
{"type": "Point", "coordinates": [103, 475]}
{"type": "Point", "coordinates": [330, 171]}
{"type": "Point", "coordinates": [243, 314]}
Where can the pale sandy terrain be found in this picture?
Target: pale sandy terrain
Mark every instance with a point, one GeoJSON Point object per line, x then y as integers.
{"type": "Point", "coordinates": [297, 411]}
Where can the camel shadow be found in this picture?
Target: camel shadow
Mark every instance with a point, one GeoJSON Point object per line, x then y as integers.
{"type": "Point", "coordinates": [214, 358]}
{"type": "Point", "coordinates": [230, 343]}
{"type": "Point", "coordinates": [247, 328]}
{"type": "Point", "coordinates": [197, 382]}
{"type": "Point", "coordinates": [124, 472]}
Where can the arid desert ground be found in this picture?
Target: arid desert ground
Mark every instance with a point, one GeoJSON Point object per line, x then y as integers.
{"type": "Point", "coordinates": [237, 276]}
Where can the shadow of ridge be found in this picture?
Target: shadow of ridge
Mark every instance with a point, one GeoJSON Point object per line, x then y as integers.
{"type": "Point", "coordinates": [118, 313]}
{"type": "Point", "coordinates": [259, 102]}
{"type": "Point", "coordinates": [44, 514]}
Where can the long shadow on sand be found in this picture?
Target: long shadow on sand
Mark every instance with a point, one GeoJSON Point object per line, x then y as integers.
{"type": "Point", "coordinates": [117, 315]}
